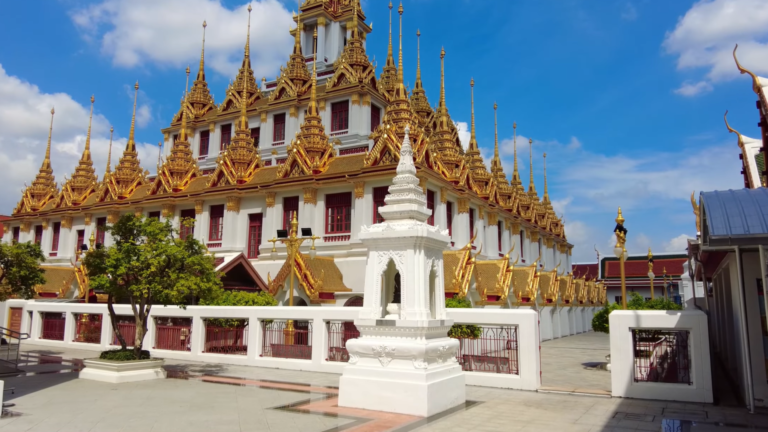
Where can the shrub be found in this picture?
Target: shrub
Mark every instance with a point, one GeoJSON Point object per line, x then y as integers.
{"type": "Point", "coordinates": [462, 331]}
{"type": "Point", "coordinates": [237, 298]}
{"type": "Point", "coordinates": [600, 322]}
{"type": "Point", "coordinates": [123, 355]}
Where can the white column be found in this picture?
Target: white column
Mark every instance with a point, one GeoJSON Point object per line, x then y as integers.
{"type": "Point", "coordinates": [492, 241]}
{"type": "Point", "coordinates": [198, 231]}
{"type": "Point", "coordinates": [66, 242]}
{"type": "Point", "coordinates": [461, 234]}
{"type": "Point", "coordinates": [360, 209]}
{"type": "Point", "coordinates": [321, 43]}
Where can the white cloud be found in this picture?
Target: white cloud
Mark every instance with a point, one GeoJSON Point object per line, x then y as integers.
{"type": "Point", "coordinates": [677, 244]}
{"type": "Point", "coordinates": [143, 115]}
{"type": "Point", "coordinates": [168, 33]}
{"type": "Point", "coordinates": [574, 144]}
{"type": "Point", "coordinates": [705, 36]}
{"type": "Point", "coordinates": [629, 13]}
{"type": "Point", "coordinates": [464, 133]}
{"type": "Point", "coordinates": [689, 88]}
{"type": "Point", "coordinates": [25, 118]}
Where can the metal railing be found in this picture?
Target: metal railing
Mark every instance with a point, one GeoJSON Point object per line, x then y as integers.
{"type": "Point", "coordinates": [9, 352]}
{"type": "Point", "coordinates": [662, 356]}
{"type": "Point", "coordinates": [494, 351]}
{"type": "Point", "coordinates": [226, 340]}
{"type": "Point", "coordinates": [127, 328]}
{"type": "Point", "coordinates": [53, 326]}
{"type": "Point", "coordinates": [173, 335]}
{"type": "Point", "coordinates": [278, 341]}
{"type": "Point", "coordinates": [88, 328]}
{"type": "Point", "coordinates": [338, 335]}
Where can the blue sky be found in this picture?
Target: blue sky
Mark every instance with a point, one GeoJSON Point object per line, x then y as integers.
{"type": "Point", "coordinates": [625, 96]}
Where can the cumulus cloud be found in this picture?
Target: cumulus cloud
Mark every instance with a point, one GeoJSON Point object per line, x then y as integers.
{"type": "Point", "coordinates": [143, 116]}
{"type": "Point", "coordinates": [629, 13]}
{"type": "Point", "coordinates": [705, 36]}
{"type": "Point", "coordinates": [689, 88]}
{"type": "Point", "coordinates": [677, 244]}
{"type": "Point", "coordinates": [25, 118]}
{"type": "Point", "coordinates": [464, 133]}
{"type": "Point", "coordinates": [169, 33]}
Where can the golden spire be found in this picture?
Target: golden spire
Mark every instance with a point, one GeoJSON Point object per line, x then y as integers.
{"type": "Point", "coordinates": [546, 190]}
{"type": "Point", "coordinates": [419, 100]}
{"type": "Point", "coordinates": [201, 69]}
{"type": "Point", "coordinates": [390, 59]}
{"type": "Point", "coordinates": [400, 55]}
{"type": "Point", "coordinates": [77, 189]}
{"type": "Point", "coordinates": [131, 144]}
{"type": "Point", "coordinates": [297, 35]}
{"type": "Point", "coordinates": [87, 151]}
{"type": "Point", "coordinates": [313, 92]}
{"type": "Point", "coordinates": [495, 132]}
{"type": "Point", "coordinates": [248, 39]}
{"type": "Point", "coordinates": [418, 57]}
{"type": "Point", "coordinates": [186, 86]}
{"type": "Point", "coordinates": [531, 184]}
{"type": "Point", "coordinates": [496, 168]}
{"type": "Point", "coordinates": [388, 80]}
{"type": "Point", "coordinates": [180, 166]}
{"type": "Point", "coordinates": [472, 139]}
{"type": "Point", "coordinates": [109, 155]}
{"type": "Point", "coordinates": [43, 187]}
{"type": "Point", "coordinates": [47, 160]}
{"type": "Point", "coordinates": [441, 104]}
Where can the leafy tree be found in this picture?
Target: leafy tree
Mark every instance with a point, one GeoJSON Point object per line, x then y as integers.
{"type": "Point", "coordinates": [462, 331]}
{"type": "Point", "coordinates": [237, 298]}
{"type": "Point", "coordinates": [600, 322]}
{"type": "Point", "coordinates": [149, 264]}
{"type": "Point", "coordinates": [20, 270]}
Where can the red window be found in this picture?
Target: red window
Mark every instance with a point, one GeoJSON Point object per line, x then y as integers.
{"type": "Point", "coordinates": [80, 238]}
{"type": "Point", "coordinates": [431, 206]}
{"type": "Point", "coordinates": [522, 249]}
{"type": "Point", "coordinates": [55, 239]}
{"type": "Point", "coordinates": [16, 234]}
{"type": "Point", "coordinates": [379, 194]}
{"type": "Point", "coordinates": [278, 133]}
{"type": "Point", "coordinates": [101, 223]}
{"type": "Point", "coordinates": [184, 230]}
{"type": "Point", "coordinates": [226, 136]}
{"type": "Point", "coordinates": [339, 116]}
{"type": "Point", "coordinates": [449, 217]}
{"type": "Point", "coordinates": [38, 234]}
{"type": "Point", "coordinates": [154, 215]}
{"type": "Point", "coordinates": [256, 134]}
{"type": "Point", "coordinates": [498, 232]}
{"type": "Point", "coordinates": [205, 138]}
{"type": "Point", "coordinates": [471, 222]}
{"type": "Point", "coordinates": [338, 213]}
{"type": "Point", "coordinates": [290, 208]}
{"type": "Point", "coordinates": [375, 117]}
{"type": "Point", "coordinates": [216, 226]}
{"type": "Point", "coordinates": [254, 234]}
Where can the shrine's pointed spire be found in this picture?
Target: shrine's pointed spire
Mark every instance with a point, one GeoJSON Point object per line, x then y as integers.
{"type": "Point", "coordinates": [441, 103]}
{"type": "Point", "coordinates": [496, 167]}
{"type": "Point", "coordinates": [130, 146]}
{"type": "Point", "coordinates": [247, 56]}
{"type": "Point", "coordinates": [546, 189]}
{"type": "Point", "coordinates": [86, 157]}
{"type": "Point", "coordinates": [312, 109]}
{"type": "Point", "coordinates": [495, 132]}
{"type": "Point", "coordinates": [297, 35]}
{"type": "Point", "coordinates": [418, 59]}
{"type": "Point", "coordinates": [515, 172]}
{"type": "Point", "coordinates": [472, 137]}
{"type": "Point", "coordinates": [108, 170]}
{"type": "Point", "coordinates": [400, 53]}
{"type": "Point", "coordinates": [390, 58]}
{"type": "Point", "coordinates": [47, 160]}
{"type": "Point", "coordinates": [201, 69]}
{"type": "Point", "coordinates": [531, 184]}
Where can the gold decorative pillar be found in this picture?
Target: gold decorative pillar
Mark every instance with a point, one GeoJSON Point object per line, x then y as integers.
{"type": "Point", "coordinates": [463, 205]}
{"type": "Point", "coordinates": [270, 199]}
{"type": "Point", "coordinates": [263, 117]}
{"type": "Point", "coordinates": [423, 184]}
{"type": "Point", "coordinates": [310, 196]}
{"type": "Point", "coordinates": [66, 222]}
{"type": "Point", "coordinates": [113, 216]}
{"type": "Point", "coordinates": [493, 219]}
{"type": "Point", "coordinates": [233, 204]}
{"type": "Point", "coordinates": [199, 206]}
{"type": "Point", "coordinates": [359, 189]}
{"type": "Point", "coordinates": [88, 219]}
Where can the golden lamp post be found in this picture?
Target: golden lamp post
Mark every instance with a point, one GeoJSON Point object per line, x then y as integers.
{"type": "Point", "coordinates": [666, 284]}
{"type": "Point", "coordinates": [650, 270]}
{"type": "Point", "coordinates": [92, 241]}
{"type": "Point", "coordinates": [621, 253]}
{"type": "Point", "coordinates": [292, 243]}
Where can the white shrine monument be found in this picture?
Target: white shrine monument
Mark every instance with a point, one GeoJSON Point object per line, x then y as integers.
{"type": "Point", "coordinates": [403, 361]}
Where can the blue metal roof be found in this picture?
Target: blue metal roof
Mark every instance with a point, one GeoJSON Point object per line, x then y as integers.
{"type": "Point", "coordinates": [732, 215]}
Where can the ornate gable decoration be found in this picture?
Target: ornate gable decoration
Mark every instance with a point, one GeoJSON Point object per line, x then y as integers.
{"type": "Point", "coordinates": [128, 175]}
{"type": "Point", "coordinates": [310, 152]}
{"type": "Point", "coordinates": [458, 267]}
{"type": "Point", "coordinates": [494, 277]}
{"type": "Point", "coordinates": [198, 102]}
{"type": "Point", "coordinates": [241, 160]}
{"type": "Point", "coordinates": [180, 167]}
{"type": "Point", "coordinates": [525, 283]}
{"type": "Point", "coordinates": [294, 79]}
{"type": "Point", "coordinates": [549, 284]}
{"type": "Point", "coordinates": [353, 66]}
{"type": "Point", "coordinates": [565, 286]}
{"type": "Point", "coordinates": [244, 88]}
{"type": "Point", "coordinates": [83, 183]}
{"type": "Point", "coordinates": [43, 188]}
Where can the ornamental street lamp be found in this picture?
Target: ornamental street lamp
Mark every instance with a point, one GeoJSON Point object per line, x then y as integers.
{"type": "Point", "coordinates": [666, 285]}
{"type": "Point", "coordinates": [292, 244]}
{"type": "Point", "coordinates": [621, 253]}
{"type": "Point", "coordinates": [650, 270]}
{"type": "Point", "coordinates": [80, 249]}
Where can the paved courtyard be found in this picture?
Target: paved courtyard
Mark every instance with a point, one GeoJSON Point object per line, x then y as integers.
{"type": "Point", "coordinates": [211, 397]}
{"type": "Point", "coordinates": [571, 363]}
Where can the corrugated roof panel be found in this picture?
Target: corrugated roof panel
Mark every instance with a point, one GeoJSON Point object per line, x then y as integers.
{"type": "Point", "coordinates": [736, 213]}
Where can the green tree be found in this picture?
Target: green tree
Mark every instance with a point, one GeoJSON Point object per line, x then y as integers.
{"type": "Point", "coordinates": [462, 331]}
{"type": "Point", "coordinates": [237, 298]}
{"type": "Point", "coordinates": [149, 264]}
{"type": "Point", "coordinates": [20, 270]}
{"type": "Point", "coordinates": [600, 322]}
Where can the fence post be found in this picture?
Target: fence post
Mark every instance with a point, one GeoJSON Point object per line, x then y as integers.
{"type": "Point", "coordinates": [254, 336]}
{"type": "Point", "coordinates": [197, 344]}
{"type": "Point", "coordinates": [319, 340]}
{"type": "Point", "coordinates": [106, 331]}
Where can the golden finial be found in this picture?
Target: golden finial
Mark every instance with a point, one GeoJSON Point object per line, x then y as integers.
{"type": "Point", "coordinates": [650, 255]}
{"type": "Point", "coordinates": [472, 139]}
{"type": "Point", "coordinates": [294, 226]}
{"type": "Point", "coordinates": [620, 218]}
{"type": "Point", "coordinates": [201, 70]}
{"type": "Point", "coordinates": [248, 38]}
{"type": "Point", "coordinates": [755, 80]}
{"type": "Point", "coordinates": [418, 55]}
{"type": "Point", "coordinates": [442, 77]}
{"type": "Point", "coordinates": [731, 130]}
{"type": "Point", "coordinates": [389, 52]}
{"type": "Point", "coordinates": [47, 160]}
{"type": "Point", "coordinates": [532, 185]}
{"type": "Point", "coordinates": [313, 92]}
{"type": "Point", "coordinates": [297, 38]}
{"type": "Point", "coordinates": [186, 87]}
{"type": "Point", "coordinates": [109, 155]}
{"type": "Point", "coordinates": [400, 55]}
{"type": "Point", "coordinates": [131, 144]}
{"type": "Point", "coordinates": [92, 239]}
{"type": "Point", "coordinates": [495, 132]}
{"type": "Point", "coordinates": [515, 173]}
{"type": "Point", "coordinates": [87, 150]}
{"type": "Point", "coordinates": [546, 191]}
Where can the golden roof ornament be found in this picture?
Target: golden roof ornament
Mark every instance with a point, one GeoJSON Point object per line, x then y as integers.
{"type": "Point", "coordinates": [43, 189]}
{"type": "Point", "coordinates": [388, 78]}
{"type": "Point", "coordinates": [419, 100]}
{"type": "Point", "coordinates": [353, 66]}
{"type": "Point", "coordinates": [180, 167]}
{"type": "Point", "coordinates": [756, 85]}
{"type": "Point", "coordinates": [445, 137]}
{"type": "Point", "coordinates": [108, 170]}
{"type": "Point", "coordinates": [83, 182]}
{"type": "Point", "coordinates": [310, 152]}
{"type": "Point", "coordinates": [128, 175]}
{"type": "Point", "coordinates": [480, 178]}
{"type": "Point", "coordinates": [294, 78]}
{"type": "Point", "coordinates": [245, 82]}
{"type": "Point", "coordinates": [240, 161]}
{"type": "Point", "coordinates": [503, 191]}
{"type": "Point", "coordinates": [198, 101]}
